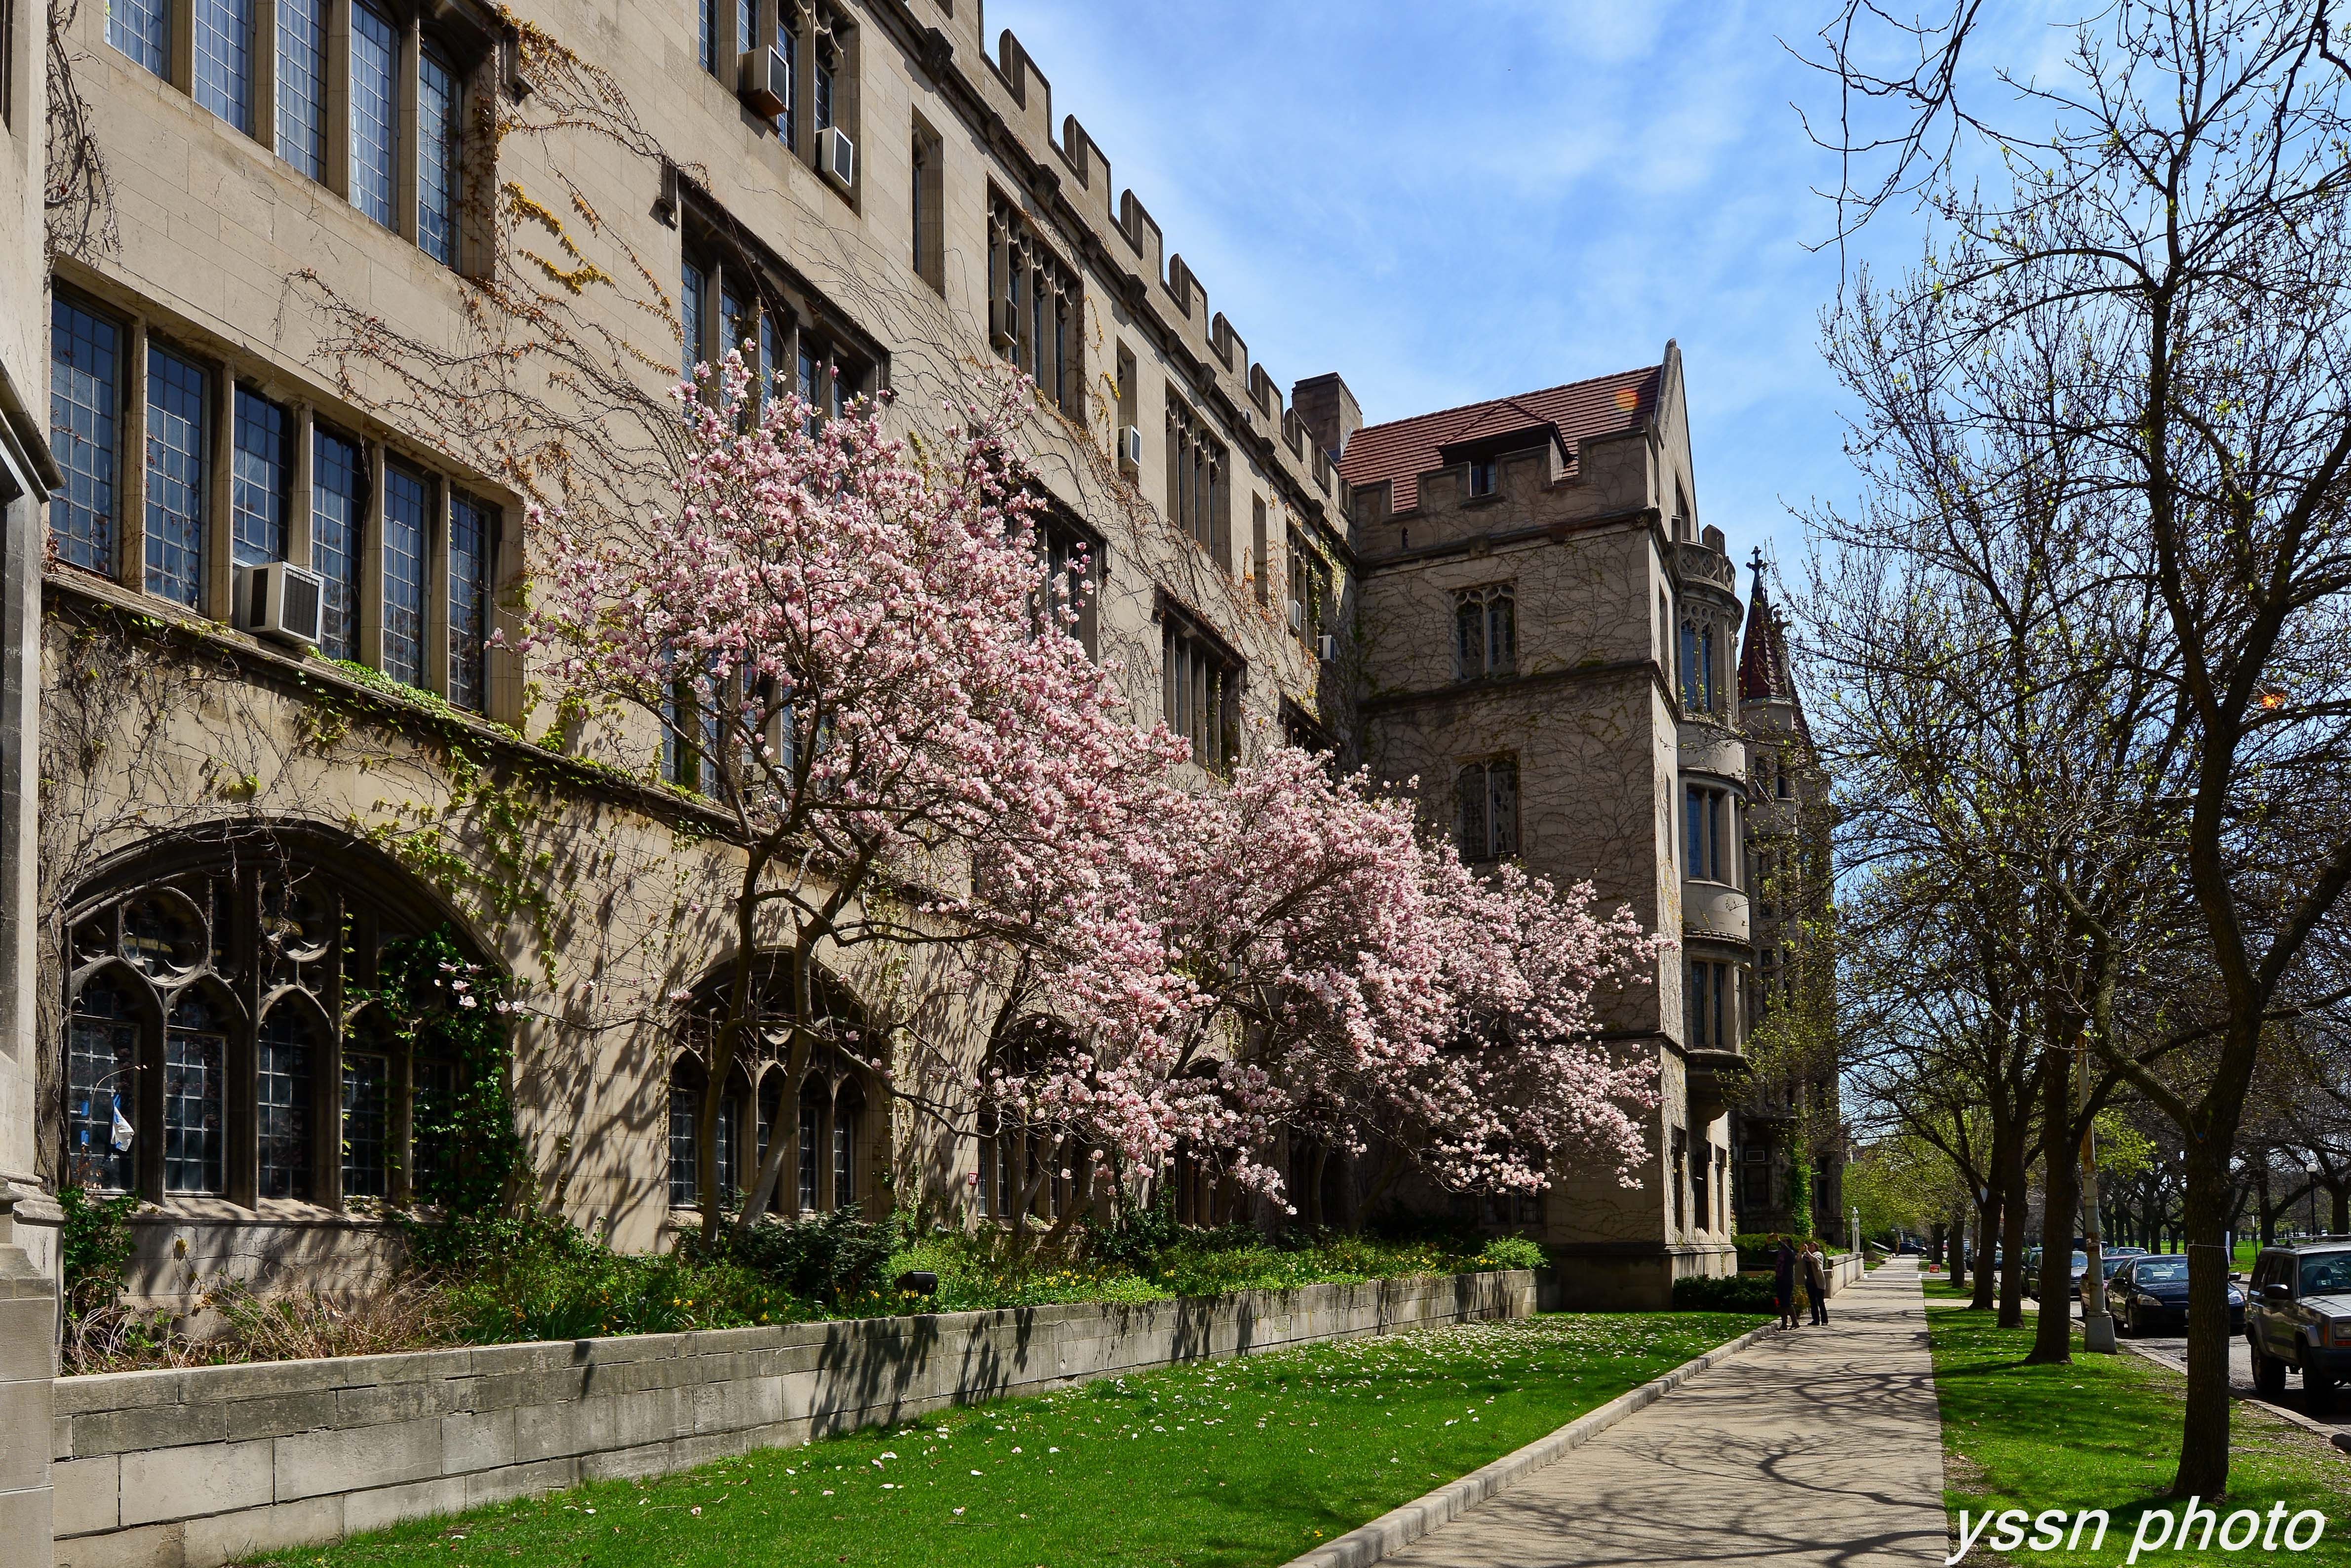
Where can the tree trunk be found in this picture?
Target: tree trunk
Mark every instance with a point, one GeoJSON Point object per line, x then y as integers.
{"type": "Point", "coordinates": [2204, 1433]}
{"type": "Point", "coordinates": [2061, 1182]}
{"type": "Point", "coordinates": [2012, 1174]}
{"type": "Point", "coordinates": [1986, 1238]}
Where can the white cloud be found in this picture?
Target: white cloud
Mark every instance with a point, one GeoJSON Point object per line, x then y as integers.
{"type": "Point", "coordinates": [1515, 193]}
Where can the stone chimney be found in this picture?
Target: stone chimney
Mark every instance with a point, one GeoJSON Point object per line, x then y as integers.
{"type": "Point", "coordinates": [1326, 406]}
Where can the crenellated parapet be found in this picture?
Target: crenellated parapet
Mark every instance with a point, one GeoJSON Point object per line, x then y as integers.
{"type": "Point", "coordinates": [1068, 184]}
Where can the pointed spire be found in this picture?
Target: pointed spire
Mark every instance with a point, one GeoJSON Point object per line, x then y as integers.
{"type": "Point", "coordinates": [1762, 662]}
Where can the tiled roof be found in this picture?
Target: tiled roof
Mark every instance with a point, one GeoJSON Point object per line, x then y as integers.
{"type": "Point", "coordinates": [1403, 450]}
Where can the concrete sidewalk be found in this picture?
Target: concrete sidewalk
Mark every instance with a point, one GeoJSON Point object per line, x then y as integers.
{"type": "Point", "coordinates": [1817, 1446]}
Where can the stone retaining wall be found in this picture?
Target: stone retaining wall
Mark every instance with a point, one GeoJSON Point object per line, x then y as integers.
{"type": "Point", "coordinates": [191, 1470]}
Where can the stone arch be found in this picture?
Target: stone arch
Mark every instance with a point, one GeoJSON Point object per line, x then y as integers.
{"type": "Point", "coordinates": [180, 956]}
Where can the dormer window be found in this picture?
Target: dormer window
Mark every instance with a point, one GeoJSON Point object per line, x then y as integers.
{"type": "Point", "coordinates": [1482, 476]}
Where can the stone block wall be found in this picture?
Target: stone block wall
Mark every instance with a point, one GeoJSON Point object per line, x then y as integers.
{"type": "Point", "coordinates": [193, 1468]}
{"type": "Point", "coordinates": [28, 1342]}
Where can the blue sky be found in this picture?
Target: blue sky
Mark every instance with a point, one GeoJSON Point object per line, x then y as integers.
{"type": "Point", "coordinates": [1452, 203]}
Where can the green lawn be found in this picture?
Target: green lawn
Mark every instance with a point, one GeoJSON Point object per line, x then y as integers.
{"type": "Point", "coordinates": [2104, 1433]}
{"type": "Point", "coordinates": [1232, 1462]}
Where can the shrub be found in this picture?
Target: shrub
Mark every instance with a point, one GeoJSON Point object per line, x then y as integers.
{"type": "Point", "coordinates": [1723, 1293]}
{"type": "Point", "coordinates": [835, 1257]}
{"type": "Point", "coordinates": [94, 1247]}
{"type": "Point", "coordinates": [576, 1288]}
{"type": "Point", "coordinates": [1512, 1252]}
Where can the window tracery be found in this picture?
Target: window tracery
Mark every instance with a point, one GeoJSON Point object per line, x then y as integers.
{"type": "Point", "coordinates": [219, 1037]}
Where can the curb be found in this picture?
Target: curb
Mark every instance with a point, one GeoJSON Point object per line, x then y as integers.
{"type": "Point", "coordinates": [1400, 1526]}
{"type": "Point", "coordinates": [2334, 1435]}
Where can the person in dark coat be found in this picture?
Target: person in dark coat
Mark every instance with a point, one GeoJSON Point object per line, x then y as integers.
{"type": "Point", "coordinates": [1816, 1282]}
{"type": "Point", "coordinates": [1783, 1283]}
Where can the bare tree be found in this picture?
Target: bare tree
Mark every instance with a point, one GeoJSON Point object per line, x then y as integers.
{"type": "Point", "coordinates": [2174, 197]}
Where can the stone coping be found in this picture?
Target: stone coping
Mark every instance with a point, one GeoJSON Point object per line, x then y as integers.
{"type": "Point", "coordinates": [197, 1466]}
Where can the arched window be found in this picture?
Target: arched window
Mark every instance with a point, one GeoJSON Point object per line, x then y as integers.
{"type": "Point", "coordinates": [205, 1051]}
{"type": "Point", "coordinates": [688, 1081]}
{"type": "Point", "coordinates": [824, 1139]}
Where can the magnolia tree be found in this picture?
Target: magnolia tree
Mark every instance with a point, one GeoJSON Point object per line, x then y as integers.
{"type": "Point", "coordinates": [1282, 952]}
{"type": "Point", "coordinates": [855, 653]}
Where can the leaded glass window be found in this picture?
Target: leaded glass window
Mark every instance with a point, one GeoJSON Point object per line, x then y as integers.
{"type": "Point", "coordinates": [1485, 632]}
{"type": "Point", "coordinates": [684, 1110]}
{"type": "Point", "coordinates": [406, 497]}
{"type": "Point", "coordinates": [367, 1123]}
{"type": "Point", "coordinates": [375, 114]}
{"type": "Point", "coordinates": [302, 85]}
{"type": "Point", "coordinates": [85, 391]}
{"type": "Point", "coordinates": [223, 58]}
{"type": "Point", "coordinates": [195, 1052]}
{"type": "Point", "coordinates": [142, 29]}
{"type": "Point", "coordinates": [282, 1067]}
{"type": "Point", "coordinates": [101, 1073]}
{"type": "Point", "coordinates": [338, 483]}
{"type": "Point", "coordinates": [264, 468]}
{"type": "Point", "coordinates": [692, 284]}
{"type": "Point", "coordinates": [812, 1109]}
{"type": "Point", "coordinates": [151, 1028]}
{"type": "Point", "coordinates": [1486, 811]}
{"type": "Point", "coordinates": [175, 478]}
{"type": "Point", "coordinates": [473, 527]}
{"type": "Point", "coordinates": [439, 103]}
{"type": "Point", "coordinates": [846, 1111]}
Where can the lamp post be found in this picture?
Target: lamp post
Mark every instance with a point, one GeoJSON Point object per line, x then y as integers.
{"type": "Point", "coordinates": [2310, 1169]}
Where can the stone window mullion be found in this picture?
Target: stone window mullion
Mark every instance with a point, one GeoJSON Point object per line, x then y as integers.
{"type": "Point", "coordinates": [217, 596]}
{"type": "Point", "coordinates": [299, 497]}
{"type": "Point", "coordinates": [407, 103]}
{"type": "Point", "coordinates": [336, 174]}
{"type": "Point", "coordinates": [241, 1093]}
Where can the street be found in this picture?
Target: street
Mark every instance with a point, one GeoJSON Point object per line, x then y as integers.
{"type": "Point", "coordinates": [2173, 1348]}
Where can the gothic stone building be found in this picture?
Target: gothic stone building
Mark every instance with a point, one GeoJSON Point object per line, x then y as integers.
{"type": "Point", "coordinates": [336, 282]}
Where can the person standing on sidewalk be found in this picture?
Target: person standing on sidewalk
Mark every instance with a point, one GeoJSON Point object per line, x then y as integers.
{"type": "Point", "coordinates": [1816, 1282]}
{"type": "Point", "coordinates": [1783, 1283]}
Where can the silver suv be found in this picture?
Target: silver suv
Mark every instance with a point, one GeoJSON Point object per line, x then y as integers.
{"type": "Point", "coordinates": [2300, 1316]}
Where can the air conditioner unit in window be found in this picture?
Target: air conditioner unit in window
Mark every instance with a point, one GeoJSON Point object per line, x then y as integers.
{"type": "Point", "coordinates": [836, 156]}
{"type": "Point", "coordinates": [1327, 647]}
{"type": "Point", "coordinates": [1130, 445]}
{"type": "Point", "coordinates": [1297, 616]}
{"type": "Point", "coordinates": [280, 602]}
{"type": "Point", "coordinates": [767, 85]}
{"type": "Point", "coordinates": [1003, 323]}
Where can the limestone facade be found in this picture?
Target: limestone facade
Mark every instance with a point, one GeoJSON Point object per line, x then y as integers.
{"type": "Point", "coordinates": [349, 296]}
{"type": "Point", "coordinates": [1549, 631]}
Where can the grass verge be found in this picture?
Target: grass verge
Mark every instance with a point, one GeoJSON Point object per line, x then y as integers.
{"type": "Point", "coordinates": [2102, 1432]}
{"type": "Point", "coordinates": [1220, 1465]}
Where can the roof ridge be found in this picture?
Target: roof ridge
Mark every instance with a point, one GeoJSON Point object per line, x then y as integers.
{"type": "Point", "coordinates": [1512, 397]}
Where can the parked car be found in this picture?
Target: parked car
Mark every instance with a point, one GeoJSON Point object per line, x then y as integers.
{"type": "Point", "coordinates": [2149, 1293]}
{"type": "Point", "coordinates": [2081, 1267]}
{"type": "Point", "coordinates": [2300, 1317]}
{"type": "Point", "coordinates": [1909, 1248]}
{"type": "Point", "coordinates": [2113, 1258]}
